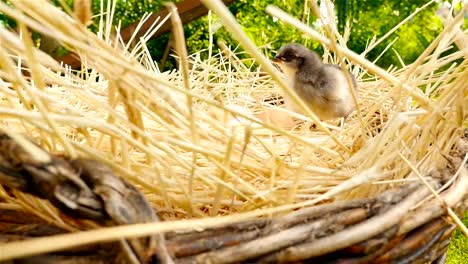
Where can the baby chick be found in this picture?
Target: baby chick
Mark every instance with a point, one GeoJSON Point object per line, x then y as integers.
{"type": "Point", "coordinates": [323, 87]}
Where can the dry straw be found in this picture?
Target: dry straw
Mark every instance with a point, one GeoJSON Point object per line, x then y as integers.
{"type": "Point", "coordinates": [190, 139]}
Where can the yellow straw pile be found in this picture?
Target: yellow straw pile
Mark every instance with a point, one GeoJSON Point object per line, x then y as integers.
{"type": "Point", "coordinates": [195, 146]}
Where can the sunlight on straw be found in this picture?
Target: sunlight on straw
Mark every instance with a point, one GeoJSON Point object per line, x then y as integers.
{"type": "Point", "coordinates": [203, 150]}
{"type": "Point", "coordinates": [444, 205]}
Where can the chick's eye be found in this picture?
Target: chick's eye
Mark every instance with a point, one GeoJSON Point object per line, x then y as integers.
{"type": "Point", "coordinates": [290, 57]}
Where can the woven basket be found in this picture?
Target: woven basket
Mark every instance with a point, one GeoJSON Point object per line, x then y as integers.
{"type": "Point", "coordinates": [120, 163]}
{"type": "Point", "coordinates": [397, 226]}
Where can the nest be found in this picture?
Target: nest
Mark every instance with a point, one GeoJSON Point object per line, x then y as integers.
{"type": "Point", "coordinates": [179, 166]}
{"type": "Point", "coordinates": [385, 229]}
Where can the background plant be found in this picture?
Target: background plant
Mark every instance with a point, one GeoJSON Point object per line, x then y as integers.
{"type": "Point", "coordinates": [368, 18]}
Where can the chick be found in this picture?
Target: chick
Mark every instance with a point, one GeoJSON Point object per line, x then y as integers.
{"type": "Point", "coordinates": [323, 87]}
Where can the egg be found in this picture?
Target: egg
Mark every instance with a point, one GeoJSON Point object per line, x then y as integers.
{"type": "Point", "coordinates": [277, 118]}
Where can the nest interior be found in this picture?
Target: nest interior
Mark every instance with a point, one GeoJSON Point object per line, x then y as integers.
{"type": "Point", "coordinates": [192, 141]}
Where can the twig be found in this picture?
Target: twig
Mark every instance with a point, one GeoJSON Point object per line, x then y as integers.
{"type": "Point", "coordinates": [432, 210]}
{"type": "Point", "coordinates": [354, 234]}
{"type": "Point", "coordinates": [279, 240]}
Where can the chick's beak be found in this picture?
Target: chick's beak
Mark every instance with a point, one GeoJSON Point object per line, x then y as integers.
{"type": "Point", "coordinates": [276, 60]}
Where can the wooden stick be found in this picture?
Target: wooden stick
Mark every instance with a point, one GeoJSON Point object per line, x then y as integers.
{"type": "Point", "coordinates": [354, 234]}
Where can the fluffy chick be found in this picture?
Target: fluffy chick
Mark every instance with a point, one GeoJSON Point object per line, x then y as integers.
{"type": "Point", "coordinates": [323, 87]}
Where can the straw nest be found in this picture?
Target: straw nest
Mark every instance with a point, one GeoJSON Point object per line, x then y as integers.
{"type": "Point", "coordinates": [374, 189]}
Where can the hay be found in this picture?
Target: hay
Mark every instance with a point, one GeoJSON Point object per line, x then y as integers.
{"type": "Point", "coordinates": [202, 151]}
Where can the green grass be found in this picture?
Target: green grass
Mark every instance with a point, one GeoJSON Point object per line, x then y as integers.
{"type": "Point", "coordinates": [458, 249]}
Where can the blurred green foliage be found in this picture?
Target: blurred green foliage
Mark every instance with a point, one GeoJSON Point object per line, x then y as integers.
{"type": "Point", "coordinates": [377, 17]}
{"type": "Point", "coordinates": [457, 252]}
{"type": "Point", "coordinates": [5, 21]}
{"type": "Point", "coordinates": [368, 18]}
{"type": "Point", "coordinates": [265, 31]}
